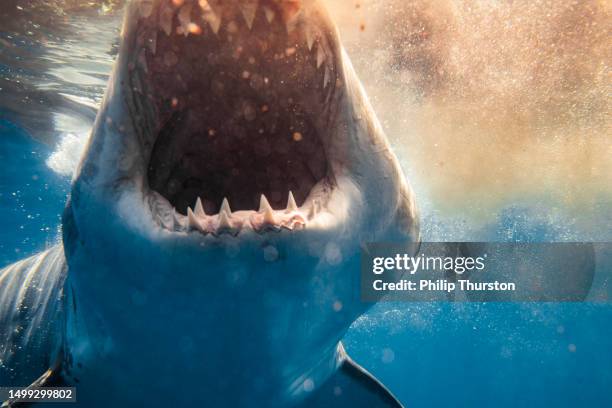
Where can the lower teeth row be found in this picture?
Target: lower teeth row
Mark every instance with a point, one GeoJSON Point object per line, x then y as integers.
{"type": "Point", "coordinates": [228, 222]}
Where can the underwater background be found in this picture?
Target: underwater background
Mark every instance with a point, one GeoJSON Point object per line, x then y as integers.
{"type": "Point", "coordinates": [500, 114]}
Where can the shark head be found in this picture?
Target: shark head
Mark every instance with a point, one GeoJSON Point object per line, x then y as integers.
{"type": "Point", "coordinates": [233, 174]}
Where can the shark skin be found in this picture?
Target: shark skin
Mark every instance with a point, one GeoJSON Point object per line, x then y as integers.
{"type": "Point", "coordinates": [211, 241]}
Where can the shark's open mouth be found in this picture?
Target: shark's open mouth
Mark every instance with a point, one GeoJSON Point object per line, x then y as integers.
{"type": "Point", "coordinates": [243, 97]}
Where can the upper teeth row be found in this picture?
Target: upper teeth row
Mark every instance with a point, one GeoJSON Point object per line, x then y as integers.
{"type": "Point", "coordinates": [214, 13]}
{"type": "Point", "coordinates": [230, 222]}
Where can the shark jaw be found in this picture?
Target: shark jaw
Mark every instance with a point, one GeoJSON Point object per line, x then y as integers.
{"type": "Point", "coordinates": [241, 98]}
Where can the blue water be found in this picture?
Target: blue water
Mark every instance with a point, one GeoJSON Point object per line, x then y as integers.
{"type": "Point", "coordinates": [429, 355]}
{"type": "Point", "coordinates": [31, 195]}
{"type": "Point", "coordinates": [502, 355]}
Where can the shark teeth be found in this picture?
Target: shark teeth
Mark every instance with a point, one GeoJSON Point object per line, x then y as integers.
{"type": "Point", "coordinates": [146, 8]}
{"type": "Point", "coordinates": [166, 15]}
{"type": "Point", "coordinates": [192, 220]}
{"type": "Point", "coordinates": [210, 16]}
{"type": "Point", "coordinates": [199, 208]}
{"type": "Point", "coordinates": [225, 207]}
{"type": "Point", "coordinates": [194, 15]}
{"type": "Point", "coordinates": [290, 9]}
{"type": "Point", "coordinates": [320, 56]}
{"type": "Point", "coordinates": [213, 11]}
{"type": "Point", "coordinates": [264, 205]}
{"type": "Point", "coordinates": [216, 5]}
{"type": "Point", "coordinates": [270, 14]}
{"type": "Point", "coordinates": [225, 225]}
{"type": "Point", "coordinates": [248, 9]}
{"type": "Point", "coordinates": [310, 38]}
{"type": "Point", "coordinates": [265, 219]}
{"type": "Point", "coordinates": [291, 204]}
{"type": "Point", "coordinates": [184, 17]}
{"type": "Point", "coordinates": [268, 216]}
{"type": "Point", "coordinates": [327, 77]}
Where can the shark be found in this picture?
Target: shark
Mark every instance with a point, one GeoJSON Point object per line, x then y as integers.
{"type": "Point", "coordinates": [210, 248]}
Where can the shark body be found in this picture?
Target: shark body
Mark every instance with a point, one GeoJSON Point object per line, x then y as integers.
{"type": "Point", "coordinates": [211, 242]}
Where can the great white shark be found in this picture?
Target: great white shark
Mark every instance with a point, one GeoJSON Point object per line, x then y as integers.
{"type": "Point", "coordinates": [211, 242]}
